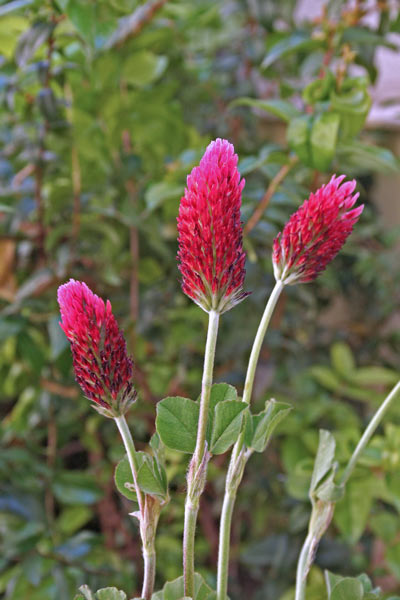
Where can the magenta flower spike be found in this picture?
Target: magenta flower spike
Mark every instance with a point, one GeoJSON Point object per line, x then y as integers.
{"type": "Point", "coordinates": [102, 366]}
{"type": "Point", "coordinates": [210, 252]}
{"type": "Point", "coordinates": [316, 232]}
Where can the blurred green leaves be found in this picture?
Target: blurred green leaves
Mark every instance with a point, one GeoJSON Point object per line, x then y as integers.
{"type": "Point", "coordinates": [31, 40]}
{"type": "Point", "coordinates": [292, 43]}
{"type": "Point", "coordinates": [279, 108]}
{"type": "Point", "coordinates": [346, 380]}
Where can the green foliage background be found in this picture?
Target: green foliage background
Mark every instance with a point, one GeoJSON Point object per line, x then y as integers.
{"type": "Point", "coordinates": [104, 110]}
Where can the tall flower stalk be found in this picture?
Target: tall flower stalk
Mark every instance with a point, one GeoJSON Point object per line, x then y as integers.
{"type": "Point", "coordinates": [239, 455]}
{"type": "Point", "coordinates": [211, 262]}
{"type": "Point", "coordinates": [196, 476]}
{"type": "Point", "coordinates": [312, 237]}
{"type": "Point", "coordinates": [104, 371]}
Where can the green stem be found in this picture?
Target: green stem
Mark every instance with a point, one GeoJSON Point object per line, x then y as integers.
{"type": "Point", "coordinates": [301, 573]}
{"type": "Point", "coordinates": [189, 533]}
{"type": "Point", "coordinates": [320, 519]}
{"type": "Point", "coordinates": [259, 339]}
{"type": "Point", "coordinates": [236, 464]}
{"type": "Point", "coordinates": [206, 383]}
{"type": "Point", "coordinates": [224, 543]}
{"type": "Point", "coordinates": [131, 453]}
{"type": "Point", "coordinates": [368, 433]}
{"type": "Point", "coordinates": [149, 558]}
{"type": "Point", "coordinates": [148, 528]}
{"type": "Point", "coordinates": [197, 469]}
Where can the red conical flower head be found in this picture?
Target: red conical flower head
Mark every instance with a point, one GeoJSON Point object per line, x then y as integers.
{"type": "Point", "coordinates": [210, 232]}
{"type": "Point", "coordinates": [102, 366]}
{"type": "Point", "coordinates": [316, 232]}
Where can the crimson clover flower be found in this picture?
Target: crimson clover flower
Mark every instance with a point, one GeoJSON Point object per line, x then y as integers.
{"type": "Point", "coordinates": [210, 231]}
{"type": "Point", "coordinates": [316, 232]}
{"type": "Point", "coordinates": [102, 366]}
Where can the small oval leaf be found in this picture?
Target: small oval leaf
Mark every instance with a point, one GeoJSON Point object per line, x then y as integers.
{"type": "Point", "coordinates": [176, 423]}
{"type": "Point", "coordinates": [347, 589]}
{"type": "Point", "coordinates": [124, 480]}
{"type": "Point", "coordinates": [227, 425]}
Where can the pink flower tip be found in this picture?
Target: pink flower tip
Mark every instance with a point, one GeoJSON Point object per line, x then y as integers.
{"type": "Point", "coordinates": [211, 257]}
{"type": "Point", "coordinates": [102, 366]}
{"type": "Point", "coordinates": [316, 232]}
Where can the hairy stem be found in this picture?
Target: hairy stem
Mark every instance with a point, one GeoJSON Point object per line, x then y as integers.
{"type": "Point", "coordinates": [206, 384]}
{"type": "Point", "coordinates": [197, 469]}
{"type": "Point", "coordinates": [224, 543]}
{"type": "Point", "coordinates": [238, 459]}
{"type": "Point", "coordinates": [259, 339]}
{"type": "Point", "coordinates": [131, 452]}
{"type": "Point", "coordinates": [188, 547]}
{"type": "Point", "coordinates": [149, 559]}
{"type": "Point", "coordinates": [368, 433]}
{"type": "Point", "coordinates": [302, 567]}
{"type": "Point", "coordinates": [147, 521]}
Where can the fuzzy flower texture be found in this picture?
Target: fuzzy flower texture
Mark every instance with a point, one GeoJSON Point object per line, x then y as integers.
{"type": "Point", "coordinates": [102, 366]}
{"type": "Point", "coordinates": [316, 232]}
{"type": "Point", "coordinates": [210, 253]}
